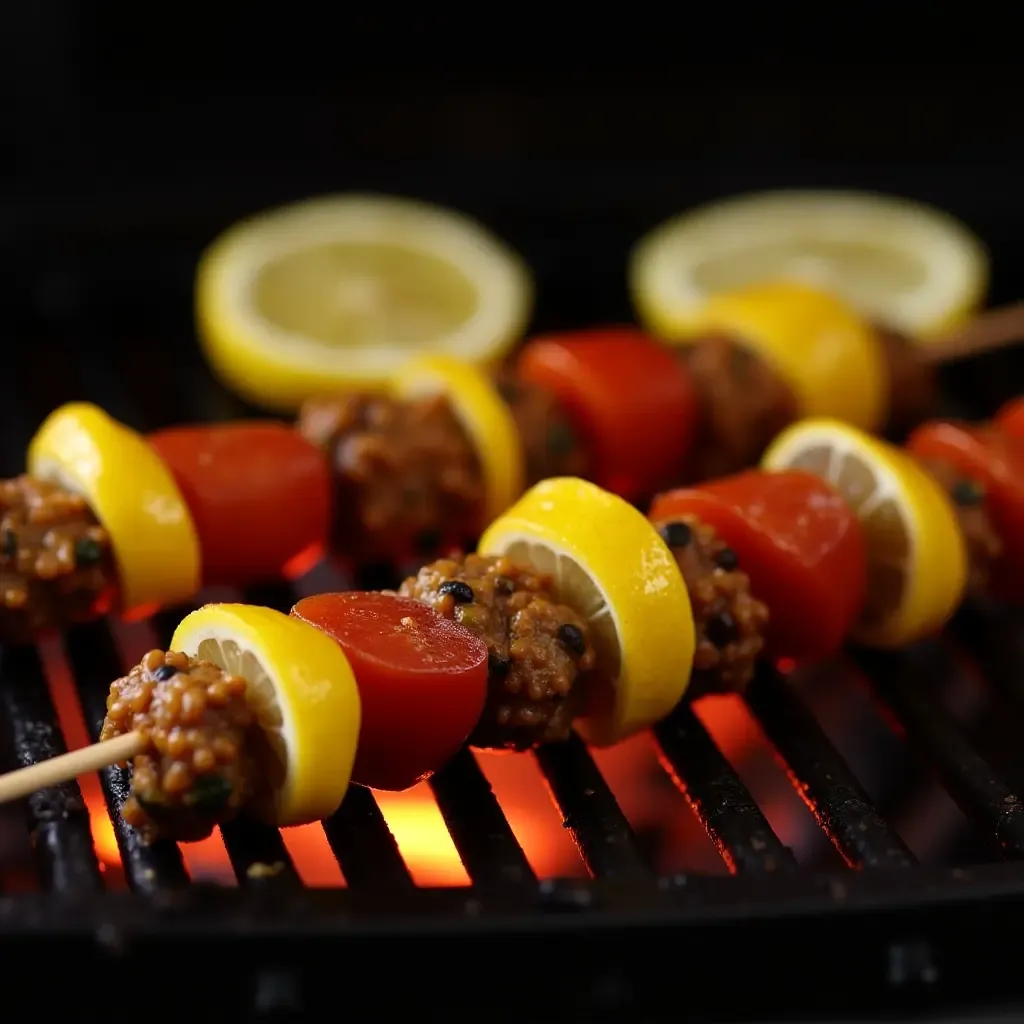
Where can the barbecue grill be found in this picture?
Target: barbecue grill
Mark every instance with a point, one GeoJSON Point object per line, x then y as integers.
{"type": "Point", "coordinates": [97, 307]}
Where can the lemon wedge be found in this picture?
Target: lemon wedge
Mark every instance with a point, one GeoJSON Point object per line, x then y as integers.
{"type": "Point", "coordinates": [917, 558]}
{"type": "Point", "coordinates": [338, 291]}
{"type": "Point", "coordinates": [610, 565]}
{"type": "Point", "coordinates": [904, 264]}
{"type": "Point", "coordinates": [132, 493]}
{"type": "Point", "coordinates": [304, 694]}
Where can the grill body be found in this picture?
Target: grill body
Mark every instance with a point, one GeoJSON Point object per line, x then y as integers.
{"type": "Point", "coordinates": [97, 303]}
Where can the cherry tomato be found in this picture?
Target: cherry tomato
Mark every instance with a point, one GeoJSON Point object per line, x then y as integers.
{"type": "Point", "coordinates": [259, 493]}
{"type": "Point", "coordinates": [422, 681]}
{"type": "Point", "coordinates": [1010, 419]}
{"type": "Point", "coordinates": [800, 544]}
{"type": "Point", "coordinates": [630, 397]}
{"type": "Point", "coordinates": [994, 460]}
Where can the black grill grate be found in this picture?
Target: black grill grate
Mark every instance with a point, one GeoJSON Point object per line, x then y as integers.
{"type": "Point", "coordinates": [894, 930]}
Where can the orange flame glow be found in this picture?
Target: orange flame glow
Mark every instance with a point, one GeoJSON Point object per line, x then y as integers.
{"type": "Point", "coordinates": [631, 770]}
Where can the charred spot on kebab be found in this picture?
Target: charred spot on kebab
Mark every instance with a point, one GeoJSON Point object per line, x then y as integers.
{"type": "Point", "coordinates": [406, 475]}
{"type": "Point", "coordinates": [56, 561]}
{"type": "Point", "coordinates": [538, 650]}
{"type": "Point", "coordinates": [196, 770]}
{"type": "Point", "coordinates": [729, 621]}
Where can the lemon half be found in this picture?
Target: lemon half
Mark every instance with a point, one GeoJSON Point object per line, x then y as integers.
{"type": "Point", "coordinates": [132, 493]}
{"type": "Point", "coordinates": [339, 291]}
{"type": "Point", "coordinates": [901, 263]}
{"type": "Point", "coordinates": [610, 565]}
{"type": "Point", "coordinates": [304, 694]}
{"type": "Point", "coordinates": [917, 558]}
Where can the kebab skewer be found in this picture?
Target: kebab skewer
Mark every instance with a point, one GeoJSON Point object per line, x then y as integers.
{"type": "Point", "coordinates": [583, 609]}
{"type": "Point", "coordinates": [92, 526]}
{"type": "Point", "coordinates": [578, 613]}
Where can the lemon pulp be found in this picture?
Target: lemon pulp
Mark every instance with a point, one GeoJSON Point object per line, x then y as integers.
{"type": "Point", "coordinates": [357, 293]}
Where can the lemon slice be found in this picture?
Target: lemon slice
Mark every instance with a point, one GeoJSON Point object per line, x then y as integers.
{"type": "Point", "coordinates": [608, 564]}
{"type": "Point", "coordinates": [903, 264]}
{"type": "Point", "coordinates": [338, 291]}
{"type": "Point", "coordinates": [917, 559]}
{"type": "Point", "coordinates": [132, 493]}
{"type": "Point", "coordinates": [484, 416]}
{"type": "Point", "coordinates": [304, 694]}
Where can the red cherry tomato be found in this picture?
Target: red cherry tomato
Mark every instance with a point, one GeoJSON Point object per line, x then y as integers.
{"type": "Point", "coordinates": [995, 460]}
{"type": "Point", "coordinates": [260, 495]}
{"type": "Point", "coordinates": [630, 397]}
{"type": "Point", "coordinates": [800, 544]}
{"type": "Point", "coordinates": [1010, 419]}
{"type": "Point", "coordinates": [422, 681]}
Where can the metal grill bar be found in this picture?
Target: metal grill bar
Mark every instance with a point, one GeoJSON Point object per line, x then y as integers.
{"type": "Point", "coordinates": [979, 792]}
{"type": "Point", "coordinates": [361, 840]}
{"type": "Point", "coordinates": [726, 809]}
{"type": "Point", "coordinates": [590, 811]}
{"type": "Point", "coordinates": [57, 817]}
{"type": "Point", "coordinates": [839, 804]}
{"type": "Point", "coordinates": [482, 835]}
{"type": "Point", "coordinates": [94, 660]}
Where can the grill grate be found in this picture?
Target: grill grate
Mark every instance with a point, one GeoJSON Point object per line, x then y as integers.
{"type": "Point", "coordinates": [905, 929]}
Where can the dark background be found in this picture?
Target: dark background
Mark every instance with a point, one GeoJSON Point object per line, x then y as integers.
{"type": "Point", "coordinates": [132, 141]}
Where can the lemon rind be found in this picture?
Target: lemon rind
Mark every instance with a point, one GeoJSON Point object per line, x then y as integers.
{"type": "Point", "coordinates": [245, 347]}
{"type": "Point", "coordinates": [667, 299]}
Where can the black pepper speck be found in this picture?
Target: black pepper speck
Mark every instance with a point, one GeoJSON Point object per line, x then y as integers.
{"type": "Point", "coordinates": [459, 592]}
{"type": "Point", "coordinates": [561, 440]}
{"type": "Point", "coordinates": [676, 535]}
{"type": "Point", "coordinates": [726, 559]}
{"type": "Point", "coordinates": [165, 672]}
{"type": "Point", "coordinates": [968, 493]}
{"type": "Point", "coordinates": [87, 551]}
{"type": "Point", "coordinates": [572, 637]}
{"type": "Point", "coordinates": [721, 630]}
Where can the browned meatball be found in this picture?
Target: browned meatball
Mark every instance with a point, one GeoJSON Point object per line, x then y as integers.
{"type": "Point", "coordinates": [539, 650]}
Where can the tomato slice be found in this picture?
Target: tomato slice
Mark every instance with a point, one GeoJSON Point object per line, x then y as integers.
{"type": "Point", "coordinates": [800, 544]}
{"type": "Point", "coordinates": [422, 681]}
{"type": "Point", "coordinates": [1010, 419]}
{"type": "Point", "coordinates": [630, 397]}
{"type": "Point", "coordinates": [259, 493]}
{"type": "Point", "coordinates": [994, 459]}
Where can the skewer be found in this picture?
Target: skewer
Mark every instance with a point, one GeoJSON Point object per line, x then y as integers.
{"type": "Point", "coordinates": [24, 782]}
{"type": "Point", "coordinates": [987, 332]}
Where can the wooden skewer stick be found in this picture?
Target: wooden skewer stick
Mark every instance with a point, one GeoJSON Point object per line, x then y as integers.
{"type": "Point", "coordinates": [25, 781]}
{"type": "Point", "coordinates": [987, 332]}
